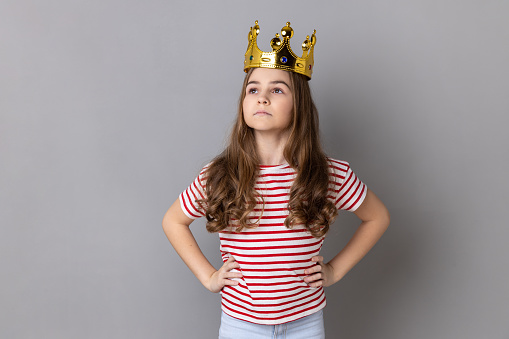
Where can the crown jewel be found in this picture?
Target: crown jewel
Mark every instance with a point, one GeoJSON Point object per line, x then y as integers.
{"type": "Point", "coordinates": [282, 56]}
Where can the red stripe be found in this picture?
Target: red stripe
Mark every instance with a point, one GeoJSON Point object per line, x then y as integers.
{"type": "Point", "coordinates": [342, 163]}
{"type": "Point", "coordinates": [273, 166]}
{"type": "Point", "coordinates": [277, 174]}
{"type": "Point", "coordinates": [337, 176]}
{"type": "Point", "coordinates": [345, 185]}
{"type": "Point", "coordinates": [284, 262]}
{"type": "Point", "coordinates": [224, 292]}
{"type": "Point", "coordinates": [289, 230]}
{"type": "Point", "coordinates": [270, 209]}
{"type": "Point", "coordinates": [269, 255]}
{"type": "Point", "coordinates": [275, 195]}
{"type": "Point", "coordinates": [335, 190]}
{"type": "Point", "coordinates": [274, 188]}
{"type": "Point", "coordinates": [280, 276]}
{"type": "Point", "coordinates": [266, 239]}
{"type": "Point", "coordinates": [261, 248]}
{"type": "Point", "coordinates": [290, 269]}
{"type": "Point", "coordinates": [265, 217]}
{"type": "Point", "coordinates": [199, 191]}
{"type": "Point", "coordinates": [201, 179]}
{"type": "Point", "coordinates": [187, 209]}
{"type": "Point", "coordinates": [360, 196]}
{"type": "Point", "coordinates": [275, 201]}
{"type": "Point", "coordinates": [271, 291]}
{"type": "Point", "coordinates": [193, 203]}
{"type": "Point", "coordinates": [351, 196]}
{"type": "Point", "coordinates": [279, 283]}
{"type": "Point", "coordinates": [340, 169]}
{"type": "Point", "coordinates": [265, 312]}
{"type": "Point", "coordinates": [273, 181]}
{"type": "Point", "coordinates": [259, 298]}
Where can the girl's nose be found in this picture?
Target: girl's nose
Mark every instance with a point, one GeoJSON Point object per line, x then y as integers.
{"type": "Point", "coordinates": [262, 99]}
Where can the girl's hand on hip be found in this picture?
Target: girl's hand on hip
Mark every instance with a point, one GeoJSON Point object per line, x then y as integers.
{"type": "Point", "coordinates": [321, 274]}
{"type": "Point", "coordinates": [223, 276]}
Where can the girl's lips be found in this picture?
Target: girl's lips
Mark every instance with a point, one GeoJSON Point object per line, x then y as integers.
{"type": "Point", "coordinates": [261, 112]}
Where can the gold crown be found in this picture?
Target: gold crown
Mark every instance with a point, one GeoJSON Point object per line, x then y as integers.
{"type": "Point", "coordinates": [282, 56]}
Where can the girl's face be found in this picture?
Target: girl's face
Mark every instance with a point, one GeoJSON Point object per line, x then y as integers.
{"type": "Point", "coordinates": [268, 104]}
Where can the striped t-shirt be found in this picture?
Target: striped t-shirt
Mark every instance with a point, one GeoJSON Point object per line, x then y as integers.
{"type": "Point", "coordinates": [273, 258]}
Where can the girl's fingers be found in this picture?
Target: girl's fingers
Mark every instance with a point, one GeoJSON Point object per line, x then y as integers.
{"type": "Point", "coordinates": [314, 277]}
{"type": "Point", "coordinates": [230, 260]}
{"type": "Point", "coordinates": [229, 275]}
{"type": "Point", "coordinates": [229, 265]}
{"type": "Point", "coordinates": [232, 265]}
{"type": "Point", "coordinates": [314, 269]}
{"type": "Point", "coordinates": [318, 259]}
{"type": "Point", "coordinates": [230, 282]}
{"type": "Point", "coordinates": [316, 283]}
{"type": "Point", "coordinates": [223, 276]}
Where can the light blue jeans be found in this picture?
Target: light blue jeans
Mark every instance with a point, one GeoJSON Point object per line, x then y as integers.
{"type": "Point", "coordinates": [309, 327]}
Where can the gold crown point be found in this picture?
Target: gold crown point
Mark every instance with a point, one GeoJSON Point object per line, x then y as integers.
{"type": "Point", "coordinates": [256, 27]}
{"type": "Point", "coordinates": [306, 44]}
{"type": "Point", "coordinates": [275, 42]}
{"type": "Point", "coordinates": [287, 31]}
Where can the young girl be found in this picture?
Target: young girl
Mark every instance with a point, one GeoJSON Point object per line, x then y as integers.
{"type": "Point", "coordinates": [272, 195]}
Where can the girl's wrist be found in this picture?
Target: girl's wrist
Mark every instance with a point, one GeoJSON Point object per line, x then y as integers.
{"type": "Point", "coordinates": [206, 279]}
{"type": "Point", "coordinates": [336, 273]}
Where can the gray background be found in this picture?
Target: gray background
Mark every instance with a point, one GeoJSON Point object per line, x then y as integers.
{"type": "Point", "coordinates": [109, 109]}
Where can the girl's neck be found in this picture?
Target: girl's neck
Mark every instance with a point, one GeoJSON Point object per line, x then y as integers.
{"type": "Point", "coordinates": [270, 148]}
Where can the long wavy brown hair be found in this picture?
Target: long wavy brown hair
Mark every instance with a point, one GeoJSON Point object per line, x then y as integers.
{"type": "Point", "coordinates": [230, 194]}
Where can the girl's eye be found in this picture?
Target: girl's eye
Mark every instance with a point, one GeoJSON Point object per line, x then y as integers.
{"type": "Point", "coordinates": [278, 90]}
{"type": "Point", "coordinates": [251, 90]}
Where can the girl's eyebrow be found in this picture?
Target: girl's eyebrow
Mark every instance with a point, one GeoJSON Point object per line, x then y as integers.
{"type": "Point", "coordinates": [272, 82]}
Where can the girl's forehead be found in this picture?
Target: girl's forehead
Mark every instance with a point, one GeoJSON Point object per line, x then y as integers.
{"type": "Point", "coordinates": [269, 74]}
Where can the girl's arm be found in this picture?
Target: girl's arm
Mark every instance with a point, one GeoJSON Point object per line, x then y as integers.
{"type": "Point", "coordinates": [375, 220]}
{"type": "Point", "coordinates": [176, 227]}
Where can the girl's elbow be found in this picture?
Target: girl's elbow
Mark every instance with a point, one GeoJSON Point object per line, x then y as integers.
{"type": "Point", "coordinates": [167, 222]}
{"type": "Point", "coordinates": [385, 218]}
{"type": "Point", "coordinates": [164, 223]}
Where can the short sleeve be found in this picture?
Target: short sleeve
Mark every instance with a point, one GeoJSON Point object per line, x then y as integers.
{"type": "Point", "coordinates": [348, 190]}
{"type": "Point", "coordinates": [189, 199]}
